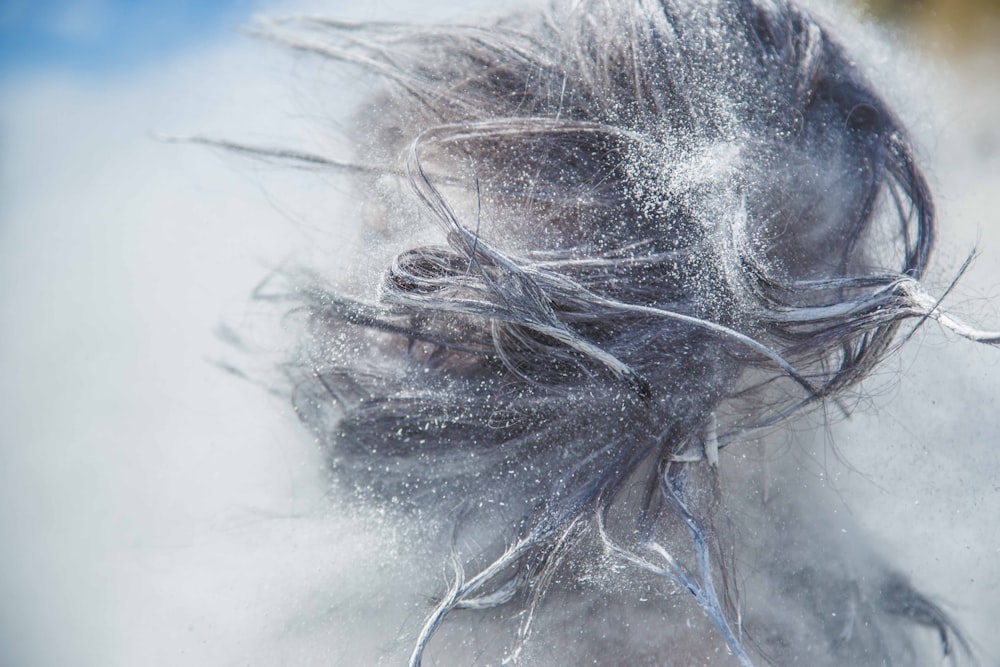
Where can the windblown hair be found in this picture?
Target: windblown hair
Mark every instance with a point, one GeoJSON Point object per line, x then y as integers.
{"type": "Point", "coordinates": [665, 225]}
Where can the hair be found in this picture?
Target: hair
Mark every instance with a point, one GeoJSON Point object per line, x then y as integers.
{"type": "Point", "coordinates": [665, 226]}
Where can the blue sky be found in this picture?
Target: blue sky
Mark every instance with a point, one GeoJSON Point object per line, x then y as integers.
{"type": "Point", "coordinates": [104, 36]}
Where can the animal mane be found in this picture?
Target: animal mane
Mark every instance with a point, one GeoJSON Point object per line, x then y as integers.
{"type": "Point", "coordinates": [665, 227]}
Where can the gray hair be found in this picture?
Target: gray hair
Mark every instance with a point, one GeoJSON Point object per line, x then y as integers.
{"type": "Point", "coordinates": [666, 226]}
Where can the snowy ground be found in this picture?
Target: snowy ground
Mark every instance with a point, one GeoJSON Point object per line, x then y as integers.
{"type": "Point", "coordinates": [155, 510]}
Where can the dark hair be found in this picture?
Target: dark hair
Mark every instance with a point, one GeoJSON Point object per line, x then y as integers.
{"type": "Point", "coordinates": [666, 226]}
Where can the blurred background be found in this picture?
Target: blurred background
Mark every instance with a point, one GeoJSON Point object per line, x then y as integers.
{"type": "Point", "coordinates": [948, 27]}
{"type": "Point", "coordinates": [117, 35]}
{"type": "Point", "coordinates": [156, 510]}
{"type": "Point", "coordinates": [108, 35]}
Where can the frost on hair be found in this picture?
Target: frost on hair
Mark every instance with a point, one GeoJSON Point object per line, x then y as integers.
{"type": "Point", "coordinates": [664, 226]}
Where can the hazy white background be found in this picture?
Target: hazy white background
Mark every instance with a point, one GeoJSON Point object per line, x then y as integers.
{"type": "Point", "coordinates": [155, 510]}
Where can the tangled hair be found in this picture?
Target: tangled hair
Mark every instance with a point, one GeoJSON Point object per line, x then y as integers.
{"type": "Point", "coordinates": [667, 225]}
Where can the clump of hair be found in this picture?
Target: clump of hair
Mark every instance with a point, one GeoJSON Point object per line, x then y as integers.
{"type": "Point", "coordinates": [664, 225]}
